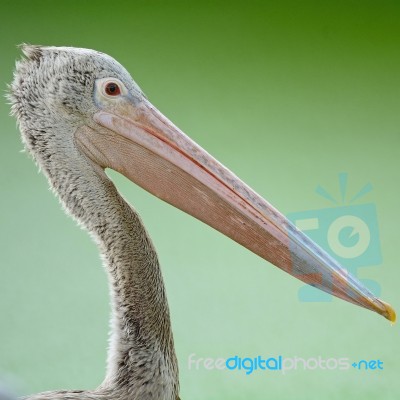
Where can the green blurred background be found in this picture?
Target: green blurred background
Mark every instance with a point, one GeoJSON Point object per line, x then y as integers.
{"type": "Point", "coordinates": [287, 95]}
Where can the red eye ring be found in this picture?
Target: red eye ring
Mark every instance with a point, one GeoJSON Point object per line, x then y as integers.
{"type": "Point", "coordinates": [112, 89]}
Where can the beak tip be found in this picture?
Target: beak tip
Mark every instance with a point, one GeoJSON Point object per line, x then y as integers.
{"type": "Point", "coordinates": [388, 312]}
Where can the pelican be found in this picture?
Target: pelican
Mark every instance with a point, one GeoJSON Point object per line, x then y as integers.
{"type": "Point", "coordinates": [80, 112]}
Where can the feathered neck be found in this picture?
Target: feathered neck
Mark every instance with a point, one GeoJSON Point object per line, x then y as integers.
{"type": "Point", "coordinates": [141, 359]}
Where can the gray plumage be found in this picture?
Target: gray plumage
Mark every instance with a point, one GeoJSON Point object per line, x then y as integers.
{"type": "Point", "coordinates": [52, 96]}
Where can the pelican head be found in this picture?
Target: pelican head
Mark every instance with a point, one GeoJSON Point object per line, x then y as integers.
{"type": "Point", "coordinates": [80, 112]}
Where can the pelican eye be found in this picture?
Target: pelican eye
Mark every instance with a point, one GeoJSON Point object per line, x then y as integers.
{"type": "Point", "coordinates": [112, 89]}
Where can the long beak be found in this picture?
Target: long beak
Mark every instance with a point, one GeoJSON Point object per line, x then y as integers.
{"type": "Point", "coordinates": [147, 148]}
